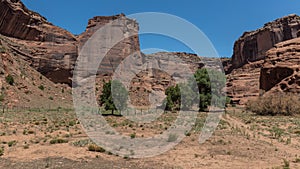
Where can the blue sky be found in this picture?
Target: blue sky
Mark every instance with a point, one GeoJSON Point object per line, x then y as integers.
{"type": "Point", "coordinates": [223, 21]}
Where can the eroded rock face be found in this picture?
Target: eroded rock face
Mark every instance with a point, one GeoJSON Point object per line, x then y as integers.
{"type": "Point", "coordinates": [25, 92]}
{"type": "Point", "coordinates": [124, 48]}
{"type": "Point", "coordinates": [252, 46]}
{"type": "Point", "coordinates": [243, 83]}
{"type": "Point", "coordinates": [19, 22]}
{"type": "Point", "coordinates": [280, 71]}
{"type": "Point", "coordinates": [54, 51]}
{"type": "Point", "coordinates": [258, 67]}
{"type": "Point", "coordinates": [49, 49]}
{"type": "Point", "coordinates": [54, 60]}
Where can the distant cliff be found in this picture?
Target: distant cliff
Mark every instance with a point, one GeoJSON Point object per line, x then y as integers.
{"type": "Point", "coordinates": [265, 60]}
{"type": "Point", "coordinates": [53, 51]}
{"type": "Point", "coordinates": [252, 46]}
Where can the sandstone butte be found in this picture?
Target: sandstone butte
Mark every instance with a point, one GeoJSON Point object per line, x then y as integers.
{"type": "Point", "coordinates": [264, 60]}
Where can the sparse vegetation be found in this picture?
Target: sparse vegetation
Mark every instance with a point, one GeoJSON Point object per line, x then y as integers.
{"type": "Point", "coordinates": [1, 151]}
{"type": "Point", "coordinates": [58, 141]}
{"type": "Point", "coordinates": [82, 143]}
{"type": "Point", "coordinates": [41, 87]}
{"type": "Point", "coordinates": [132, 136]}
{"type": "Point", "coordinates": [12, 143]}
{"type": "Point", "coordinates": [279, 104]}
{"type": "Point", "coordinates": [286, 164]}
{"type": "Point", "coordinates": [10, 79]}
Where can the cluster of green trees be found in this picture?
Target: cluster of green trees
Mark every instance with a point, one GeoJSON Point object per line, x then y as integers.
{"type": "Point", "coordinates": [204, 89]}
{"type": "Point", "coordinates": [210, 84]}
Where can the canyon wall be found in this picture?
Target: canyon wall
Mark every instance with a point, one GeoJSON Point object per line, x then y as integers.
{"type": "Point", "coordinates": [53, 51]}
{"type": "Point", "coordinates": [281, 69]}
{"type": "Point", "coordinates": [265, 60]}
{"type": "Point", "coordinates": [19, 22]}
{"type": "Point", "coordinates": [252, 46]}
{"type": "Point", "coordinates": [126, 46]}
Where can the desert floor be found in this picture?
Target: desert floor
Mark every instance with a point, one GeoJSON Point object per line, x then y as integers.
{"type": "Point", "coordinates": [55, 139]}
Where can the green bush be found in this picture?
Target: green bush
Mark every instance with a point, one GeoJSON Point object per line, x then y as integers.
{"type": "Point", "coordinates": [58, 141]}
{"type": "Point", "coordinates": [1, 151]}
{"type": "Point", "coordinates": [9, 79]}
{"type": "Point", "coordinates": [41, 87]}
{"type": "Point", "coordinates": [12, 143]}
{"type": "Point", "coordinates": [276, 104]}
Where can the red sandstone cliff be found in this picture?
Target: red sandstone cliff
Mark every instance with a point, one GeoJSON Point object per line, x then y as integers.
{"type": "Point", "coordinates": [261, 63]}
{"type": "Point", "coordinates": [252, 46]}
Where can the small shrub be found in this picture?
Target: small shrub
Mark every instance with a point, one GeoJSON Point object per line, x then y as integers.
{"type": "Point", "coordinates": [81, 143]}
{"type": "Point", "coordinates": [132, 136]}
{"type": "Point", "coordinates": [12, 143]}
{"type": "Point", "coordinates": [58, 141]}
{"type": "Point", "coordinates": [276, 132]}
{"type": "Point", "coordinates": [50, 98]}
{"type": "Point", "coordinates": [286, 164]}
{"type": "Point", "coordinates": [1, 151]}
{"type": "Point", "coordinates": [276, 104]}
{"type": "Point", "coordinates": [41, 87]}
{"type": "Point", "coordinates": [9, 79]}
{"type": "Point", "coordinates": [95, 148]}
{"type": "Point", "coordinates": [72, 123]}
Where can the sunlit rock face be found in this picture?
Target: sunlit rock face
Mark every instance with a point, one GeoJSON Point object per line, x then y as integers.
{"type": "Point", "coordinates": [252, 46]}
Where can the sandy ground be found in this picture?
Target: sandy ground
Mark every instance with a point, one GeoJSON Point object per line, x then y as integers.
{"type": "Point", "coordinates": [242, 140]}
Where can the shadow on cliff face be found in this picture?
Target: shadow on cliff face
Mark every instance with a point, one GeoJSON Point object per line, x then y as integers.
{"type": "Point", "coordinates": [271, 77]}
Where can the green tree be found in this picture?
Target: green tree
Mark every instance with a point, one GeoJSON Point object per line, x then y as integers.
{"type": "Point", "coordinates": [173, 98]}
{"type": "Point", "coordinates": [180, 96]}
{"type": "Point", "coordinates": [113, 99]}
{"type": "Point", "coordinates": [211, 84]}
{"type": "Point", "coordinates": [120, 95]}
{"type": "Point", "coordinates": [203, 82]}
{"type": "Point", "coordinates": [210, 91]}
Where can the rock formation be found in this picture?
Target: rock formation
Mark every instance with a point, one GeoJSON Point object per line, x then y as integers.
{"type": "Point", "coordinates": [49, 49]}
{"type": "Point", "coordinates": [257, 67]}
{"type": "Point", "coordinates": [53, 51]}
{"type": "Point", "coordinates": [243, 83]}
{"type": "Point", "coordinates": [19, 22]}
{"type": "Point", "coordinates": [252, 46]}
{"type": "Point", "coordinates": [281, 69]}
{"type": "Point", "coordinates": [30, 89]}
{"type": "Point", "coordinates": [124, 48]}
